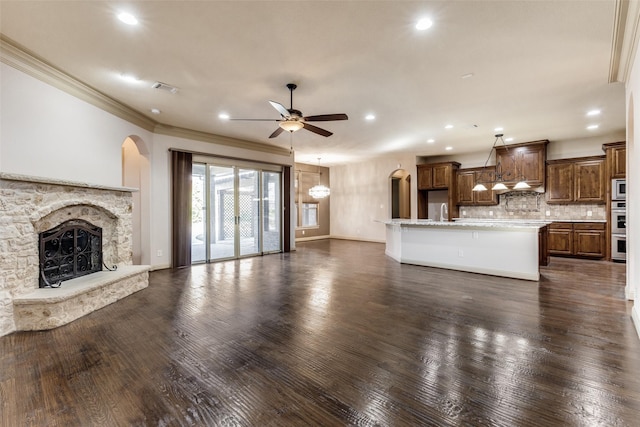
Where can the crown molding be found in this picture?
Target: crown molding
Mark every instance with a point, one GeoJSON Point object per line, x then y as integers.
{"type": "Point", "coordinates": [178, 132]}
{"type": "Point", "coordinates": [626, 36]}
{"type": "Point", "coordinates": [18, 57]}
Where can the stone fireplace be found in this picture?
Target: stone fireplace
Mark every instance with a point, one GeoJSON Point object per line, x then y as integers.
{"type": "Point", "coordinates": [32, 207]}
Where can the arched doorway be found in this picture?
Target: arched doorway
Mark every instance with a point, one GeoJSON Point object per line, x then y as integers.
{"type": "Point", "coordinates": [400, 182]}
{"type": "Point", "coordinates": [135, 174]}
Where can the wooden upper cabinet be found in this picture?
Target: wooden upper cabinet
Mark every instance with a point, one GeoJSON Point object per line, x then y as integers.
{"type": "Point", "coordinates": [560, 182]}
{"type": "Point", "coordinates": [579, 180]}
{"type": "Point", "coordinates": [616, 159]}
{"type": "Point", "coordinates": [467, 179]}
{"type": "Point", "coordinates": [589, 181]}
{"type": "Point", "coordinates": [441, 176]}
{"type": "Point", "coordinates": [436, 176]}
{"type": "Point", "coordinates": [523, 160]}
{"type": "Point", "coordinates": [424, 177]}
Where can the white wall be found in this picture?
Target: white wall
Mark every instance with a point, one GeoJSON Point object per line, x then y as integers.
{"type": "Point", "coordinates": [361, 196]}
{"type": "Point", "coordinates": [633, 190]}
{"type": "Point", "coordinates": [48, 133]}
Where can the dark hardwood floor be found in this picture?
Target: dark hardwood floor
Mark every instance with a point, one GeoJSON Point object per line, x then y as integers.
{"type": "Point", "coordinates": [337, 334]}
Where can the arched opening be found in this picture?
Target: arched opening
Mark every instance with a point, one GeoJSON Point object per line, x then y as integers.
{"type": "Point", "coordinates": [400, 182]}
{"type": "Point", "coordinates": [135, 174]}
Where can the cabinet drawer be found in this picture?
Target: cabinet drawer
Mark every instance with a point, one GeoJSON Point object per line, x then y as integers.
{"type": "Point", "coordinates": [595, 226]}
{"type": "Point", "coordinates": [561, 226]}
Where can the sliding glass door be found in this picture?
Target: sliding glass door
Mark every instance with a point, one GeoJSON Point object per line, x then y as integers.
{"type": "Point", "coordinates": [237, 211]}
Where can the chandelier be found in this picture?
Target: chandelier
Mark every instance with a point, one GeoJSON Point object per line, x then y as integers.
{"type": "Point", "coordinates": [499, 179]}
{"type": "Point", "coordinates": [319, 191]}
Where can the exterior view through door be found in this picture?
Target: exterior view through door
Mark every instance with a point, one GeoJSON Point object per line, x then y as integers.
{"type": "Point", "coordinates": [237, 210]}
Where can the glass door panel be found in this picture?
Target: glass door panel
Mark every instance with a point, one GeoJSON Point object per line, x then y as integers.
{"type": "Point", "coordinates": [271, 212]}
{"type": "Point", "coordinates": [222, 212]}
{"type": "Point", "coordinates": [249, 211]}
{"type": "Point", "coordinates": [199, 210]}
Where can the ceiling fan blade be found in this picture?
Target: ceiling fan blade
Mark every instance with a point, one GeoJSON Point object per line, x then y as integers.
{"type": "Point", "coordinates": [326, 117]}
{"type": "Point", "coordinates": [257, 120]}
{"type": "Point", "coordinates": [316, 129]}
{"type": "Point", "coordinates": [283, 111]}
{"type": "Point", "coordinates": [276, 132]}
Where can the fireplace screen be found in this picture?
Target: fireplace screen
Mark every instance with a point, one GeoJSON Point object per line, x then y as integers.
{"type": "Point", "coordinates": [72, 249]}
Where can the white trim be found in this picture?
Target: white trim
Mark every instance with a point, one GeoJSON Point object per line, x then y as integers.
{"type": "Point", "coordinates": [635, 317]}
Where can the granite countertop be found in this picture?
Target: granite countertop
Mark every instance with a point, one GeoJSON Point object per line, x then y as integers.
{"type": "Point", "coordinates": [468, 223]}
{"type": "Point", "coordinates": [534, 221]}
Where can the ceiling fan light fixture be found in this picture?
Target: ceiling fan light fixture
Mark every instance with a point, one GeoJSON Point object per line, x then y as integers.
{"type": "Point", "coordinates": [291, 125]}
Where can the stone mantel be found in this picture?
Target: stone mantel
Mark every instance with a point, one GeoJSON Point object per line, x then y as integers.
{"type": "Point", "coordinates": [41, 180]}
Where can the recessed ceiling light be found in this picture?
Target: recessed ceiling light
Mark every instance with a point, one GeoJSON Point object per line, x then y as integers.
{"type": "Point", "coordinates": [466, 76]}
{"type": "Point", "coordinates": [423, 24]}
{"type": "Point", "coordinates": [128, 18]}
{"type": "Point", "coordinates": [498, 129]}
{"type": "Point", "coordinates": [593, 113]}
{"type": "Point", "coordinates": [430, 141]}
{"type": "Point", "coordinates": [448, 148]}
{"type": "Point", "coordinates": [155, 111]}
{"type": "Point", "coordinates": [370, 117]}
{"type": "Point", "coordinates": [508, 139]}
{"type": "Point", "coordinates": [448, 127]}
{"type": "Point", "coordinates": [592, 127]}
{"type": "Point", "coordinates": [223, 116]}
{"type": "Point", "coordinates": [129, 78]}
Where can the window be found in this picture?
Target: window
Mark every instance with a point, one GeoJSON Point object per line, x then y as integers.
{"type": "Point", "coordinates": [309, 217]}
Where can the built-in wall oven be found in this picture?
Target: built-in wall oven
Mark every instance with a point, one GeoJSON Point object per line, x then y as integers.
{"type": "Point", "coordinates": [618, 230]}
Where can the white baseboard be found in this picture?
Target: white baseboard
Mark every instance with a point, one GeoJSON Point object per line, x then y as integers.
{"type": "Point", "coordinates": [358, 239]}
{"type": "Point", "coordinates": [307, 239]}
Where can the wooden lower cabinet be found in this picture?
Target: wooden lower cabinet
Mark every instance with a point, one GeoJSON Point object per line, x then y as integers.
{"type": "Point", "coordinates": [577, 239]}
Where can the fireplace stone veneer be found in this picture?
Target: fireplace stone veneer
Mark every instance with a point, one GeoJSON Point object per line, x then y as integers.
{"type": "Point", "coordinates": [32, 205]}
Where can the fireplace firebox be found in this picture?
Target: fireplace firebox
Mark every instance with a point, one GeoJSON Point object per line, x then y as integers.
{"type": "Point", "coordinates": [72, 249]}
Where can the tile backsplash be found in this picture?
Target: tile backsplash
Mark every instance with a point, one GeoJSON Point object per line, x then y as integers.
{"type": "Point", "coordinates": [531, 205]}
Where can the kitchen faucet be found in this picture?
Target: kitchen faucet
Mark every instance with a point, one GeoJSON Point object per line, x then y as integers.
{"type": "Point", "coordinates": [444, 211]}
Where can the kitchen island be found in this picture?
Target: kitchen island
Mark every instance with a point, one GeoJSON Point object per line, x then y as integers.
{"type": "Point", "coordinates": [502, 248]}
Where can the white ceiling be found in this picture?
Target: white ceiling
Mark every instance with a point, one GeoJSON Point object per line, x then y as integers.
{"type": "Point", "coordinates": [538, 67]}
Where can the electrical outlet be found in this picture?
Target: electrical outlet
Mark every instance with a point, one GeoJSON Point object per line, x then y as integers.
{"type": "Point", "coordinates": [303, 232]}
{"type": "Point", "coordinates": [159, 253]}
{"type": "Point", "coordinates": [589, 213]}
{"type": "Point", "coordinates": [490, 213]}
{"type": "Point", "coordinates": [464, 213]}
{"type": "Point", "coordinates": [548, 213]}
{"type": "Point", "coordinates": [460, 253]}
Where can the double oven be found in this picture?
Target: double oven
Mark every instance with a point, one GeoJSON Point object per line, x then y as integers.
{"type": "Point", "coordinates": [618, 220]}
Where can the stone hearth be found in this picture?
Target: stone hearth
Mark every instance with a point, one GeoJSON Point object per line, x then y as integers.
{"type": "Point", "coordinates": [31, 205]}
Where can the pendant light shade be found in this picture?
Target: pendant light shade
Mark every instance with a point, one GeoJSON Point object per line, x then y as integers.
{"type": "Point", "coordinates": [521, 186]}
{"type": "Point", "coordinates": [479, 187]}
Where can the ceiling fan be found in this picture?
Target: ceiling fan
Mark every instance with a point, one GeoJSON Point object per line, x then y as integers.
{"type": "Point", "coordinates": [292, 120]}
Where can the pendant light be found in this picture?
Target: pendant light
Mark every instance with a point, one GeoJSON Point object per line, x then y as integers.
{"type": "Point", "coordinates": [499, 180]}
{"type": "Point", "coordinates": [319, 191]}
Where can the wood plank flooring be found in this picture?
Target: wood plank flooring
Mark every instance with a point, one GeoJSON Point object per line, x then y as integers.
{"type": "Point", "coordinates": [337, 334]}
